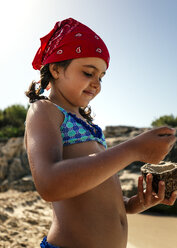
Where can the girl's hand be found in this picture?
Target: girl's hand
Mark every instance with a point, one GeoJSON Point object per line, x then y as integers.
{"type": "Point", "coordinates": [148, 198]}
{"type": "Point", "coordinates": [152, 146]}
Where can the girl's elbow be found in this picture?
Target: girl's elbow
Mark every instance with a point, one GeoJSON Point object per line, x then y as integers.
{"type": "Point", "coordinates": [45, 196]}
{"type": "Point", "coordinates": [42, 188]}
{"type": "Point", "coordinates": [50, 197]}
{"type": "Point", "coordinates": [48, 192]}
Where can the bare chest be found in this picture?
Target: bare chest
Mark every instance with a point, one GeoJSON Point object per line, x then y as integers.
{"type": "Point", "coordinates": [91, 215]}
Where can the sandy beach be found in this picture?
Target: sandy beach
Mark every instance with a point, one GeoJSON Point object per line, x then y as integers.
{"type": "Point", "coordinates": [152, 231]}
{"type": "Point", "coordinates": [25, 218]}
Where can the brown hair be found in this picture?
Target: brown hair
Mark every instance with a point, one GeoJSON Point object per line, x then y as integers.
{"type": "Point", "coordinates": [45, 77]}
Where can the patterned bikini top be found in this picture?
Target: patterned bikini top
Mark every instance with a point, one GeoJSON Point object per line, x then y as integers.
{"type": "Point", "coordinates": [75, 130]}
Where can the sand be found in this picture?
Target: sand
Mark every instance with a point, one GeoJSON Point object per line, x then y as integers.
{"type": "Point", "coordinates": [150, 231]}
{"type": "Point", "coordinates": [25, 218]}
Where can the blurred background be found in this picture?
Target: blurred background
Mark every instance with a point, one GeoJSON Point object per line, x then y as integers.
{"type": "Point", "coordinates": [139, 90]}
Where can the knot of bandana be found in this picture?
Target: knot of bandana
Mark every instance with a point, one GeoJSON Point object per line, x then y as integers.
{"type": "Point", "coordinates": [69, 39]}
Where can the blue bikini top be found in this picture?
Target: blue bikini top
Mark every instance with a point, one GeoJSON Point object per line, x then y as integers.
{"type": "Point", "coordinates": [75, 130]}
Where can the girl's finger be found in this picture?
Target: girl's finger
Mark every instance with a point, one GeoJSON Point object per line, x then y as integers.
{"type": "Point", "coordinates": [172, 199]}
{"type": "Point", "coordinates": [148, 195]}
{"type": "Point", "coordinates": [164, 130]}
{"type": "Point", "coordinates": [140, 190]}
{"type": "Point", "coordinates": [161, 191]}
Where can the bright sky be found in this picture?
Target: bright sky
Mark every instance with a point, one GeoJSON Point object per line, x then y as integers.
{"type": "Point", "coordinates": [141, 35]}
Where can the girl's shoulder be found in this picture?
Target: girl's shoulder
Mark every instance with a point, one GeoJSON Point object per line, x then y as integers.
{"type": "Point", "coordinates": [44, 110]}
{"type": "Point", "coordinates": [43, 123]}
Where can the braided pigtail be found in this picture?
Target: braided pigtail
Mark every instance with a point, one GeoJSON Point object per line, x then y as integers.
{"type": "Point", "coordinates": [86, 113]}
{"type": "Point", "coordinates": [35, 94]}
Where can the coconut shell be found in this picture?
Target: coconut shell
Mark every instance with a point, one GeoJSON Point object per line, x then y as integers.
{"type": "Point", "coordinates": [164, 171]}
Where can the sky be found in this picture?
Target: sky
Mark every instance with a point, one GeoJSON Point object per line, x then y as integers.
{"type": "Point", "coordinates": [141, 35]}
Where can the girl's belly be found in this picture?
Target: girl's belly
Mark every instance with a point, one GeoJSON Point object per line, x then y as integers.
{"type": "Point", "coordinates": [94, 219]}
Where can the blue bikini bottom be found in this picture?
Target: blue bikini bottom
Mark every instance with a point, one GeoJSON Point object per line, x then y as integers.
{"type": "Point", "coordinates": [45, 244]}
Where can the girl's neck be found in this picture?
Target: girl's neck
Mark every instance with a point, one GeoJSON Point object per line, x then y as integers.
{"type": "Point", "coordinates": [64, 104]}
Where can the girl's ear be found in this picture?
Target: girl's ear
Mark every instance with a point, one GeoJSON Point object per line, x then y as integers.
{"type": "Point", "coordinates": [54, 70]}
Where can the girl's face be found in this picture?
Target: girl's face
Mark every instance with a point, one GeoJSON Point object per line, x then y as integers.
{"type": "Point", "coordinates": [80, 82]}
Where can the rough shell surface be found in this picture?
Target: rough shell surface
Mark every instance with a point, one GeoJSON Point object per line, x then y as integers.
{"type": "Point", "coordinates": [165, 171]}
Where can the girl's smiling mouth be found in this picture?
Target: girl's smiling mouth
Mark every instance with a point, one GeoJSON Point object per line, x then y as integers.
{"type": "Point", "coordinates": [90, 93]}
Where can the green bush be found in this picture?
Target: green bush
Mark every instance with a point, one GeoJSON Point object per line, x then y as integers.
{"type": "Point", "coordinates": [166, 120]}
{"type": "Point", "coordinates": [12, 121]}
{"type": "Point", "coordinates": [9, 131]}
{"type": "Point", "coordinates": [14, 115]}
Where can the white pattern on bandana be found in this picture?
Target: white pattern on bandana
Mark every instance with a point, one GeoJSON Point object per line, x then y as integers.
{"type": "Point", "coordinates": [99, 50]}
{"type": "Point", "coordinates": [78, 50]}
{"type": "Point", "coordinates": [78, 35]}
{"type": "Point", "coordinates": [60, 51]}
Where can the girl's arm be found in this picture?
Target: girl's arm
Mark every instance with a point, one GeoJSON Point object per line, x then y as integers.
{"type": "Point", "coordinates": [57, 179]}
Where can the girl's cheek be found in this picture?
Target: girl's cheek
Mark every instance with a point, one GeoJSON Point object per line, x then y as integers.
{"type": "Point", "coordinates": [98, 91]}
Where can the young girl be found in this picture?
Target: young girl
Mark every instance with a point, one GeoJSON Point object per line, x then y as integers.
{"type": "Point", "coordinates": [69, 161]}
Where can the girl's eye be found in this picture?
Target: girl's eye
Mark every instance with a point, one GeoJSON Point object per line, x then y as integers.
{"type": "Point", "coordinates": [87, 74]}
{"type": "Point", "coordinates": [90, 75]}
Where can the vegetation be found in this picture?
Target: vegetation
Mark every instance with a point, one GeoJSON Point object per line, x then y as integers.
{"type": "Point", "coordinates": [12, 121]}
{"type": "Point", "coordinates": [166, 120]}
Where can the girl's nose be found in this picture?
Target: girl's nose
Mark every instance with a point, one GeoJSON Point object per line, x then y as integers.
{"type": "Point", "coordinates": [95, 83]}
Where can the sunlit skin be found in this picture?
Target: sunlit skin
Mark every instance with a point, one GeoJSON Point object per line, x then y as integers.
{"type": "Point", "coordinates": [79, 84]}
{"type": "Point", "coordinates": [81, 180]}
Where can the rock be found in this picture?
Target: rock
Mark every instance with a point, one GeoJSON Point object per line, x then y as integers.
{"type": "Point", "coordinates": [4, 186]}
{"type": "Point", "coordinates": [115, 141]}
{"type": "Point", "coordinates": [165, 171]}
{"type": "Point", "coordinates": [129, 182]}
{"type": "Point", "coordinates": [172, 156]}
{"type": "Point", "coordinates": [16, 170]}
{"type": "Point", "coordinates": [24, 184]}
{"type": "Point", "coordinates": [123, 131]}
{"type": "Point", "coordinates": [14, 166]}
{"type": "Point", "coordinates": [24, 161]}
{"type": "Point", "coordinates": [117, 131]}
{"type": "Point", "coordinates": [12, 148]}
{"type": "Point", "coordinates": [3, 168]}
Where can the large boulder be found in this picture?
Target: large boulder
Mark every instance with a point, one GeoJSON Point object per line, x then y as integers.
{"type": "Point", "coordinates": [14, 167]}
{"type": "Point", "coordinates": [16, 170]}
{"type": "Point", "coordinates": [12, 148]}
{"type": "Point", "coordinates": [118, 134]}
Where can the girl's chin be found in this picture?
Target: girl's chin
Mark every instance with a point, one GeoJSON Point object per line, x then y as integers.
{"type": "Point", "coordinates": [84, 106]}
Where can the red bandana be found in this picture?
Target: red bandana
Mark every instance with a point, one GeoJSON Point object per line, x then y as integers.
{"type": "Point", "coordinates": [69, 39]}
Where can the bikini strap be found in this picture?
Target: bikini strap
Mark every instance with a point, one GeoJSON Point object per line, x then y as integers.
{"type": "Point", "coordinates": [61, 109]}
